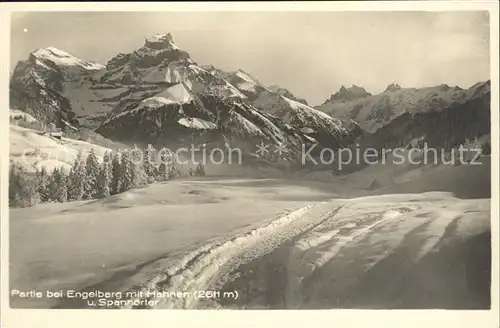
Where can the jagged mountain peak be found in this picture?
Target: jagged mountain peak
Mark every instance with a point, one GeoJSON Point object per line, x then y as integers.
{"type": "Point", "coordinates": [208, 68]}
{"type": "Point", "coordinates": [350, 93]}
{"type": "Point", "coordinates": [247, 76]}
{"type": "Point", "coordinates": [288, 94]}
{"type": "Point", "coordinates": [444, 87]}
{"type": "Point", "coordinates": [481, 88]}
{"type": "Point", "coordinates": [160, 41]}
{"type": "Point", "coordinates": [158, 50]}
{"type": "Point", "coordinates": [392, 87]}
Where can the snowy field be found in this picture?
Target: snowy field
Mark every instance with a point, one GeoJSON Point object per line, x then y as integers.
{"type": "Point", "coordinates": [34, 150]}
{"type": "Point", "coordinates": [311, 240]}
{"type": "Point", "coordinates": [407, 251]}
{"type": "Point", "coordinates": [203, 233]}
{"type": "Point", "coordinates": [77, 244]}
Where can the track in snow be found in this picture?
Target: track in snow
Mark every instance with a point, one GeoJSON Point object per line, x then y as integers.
{"type": "Point", "coordinates": [408, 251]}
{"type": "Point", "coordinates": [431, 254]}
{"type": "Point", "coordinates": [200, 269]}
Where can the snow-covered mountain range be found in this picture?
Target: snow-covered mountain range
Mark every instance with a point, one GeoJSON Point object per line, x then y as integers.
{"type": "Point", "coordinates": [158, 94]}
{"type": "Point", "coordinates": [442, 125]}
{"type": "Point", "coordinates": [372, 112]}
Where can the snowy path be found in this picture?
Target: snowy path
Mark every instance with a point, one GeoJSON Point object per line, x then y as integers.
{"type": "Point", "coordinates": [406, 251]}
{"type": "Point", "coordinates": [374, 252]}
{"type": "Point", "coordinates": [199, 269]}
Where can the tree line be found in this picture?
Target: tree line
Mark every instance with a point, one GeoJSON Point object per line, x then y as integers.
{"type": "Point", "coordinates": [90, 178]}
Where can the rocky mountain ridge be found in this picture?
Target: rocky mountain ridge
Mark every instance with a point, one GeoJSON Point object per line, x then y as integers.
{"type": "Point", "coordinates": [372, 112]}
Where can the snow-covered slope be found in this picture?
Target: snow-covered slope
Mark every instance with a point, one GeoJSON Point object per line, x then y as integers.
{"type": "Point", "coordinates": [243, 81]}
{"type": "Point", "coordinates": [208, 119]}
{"type": "Point", "coordinates": [444, 126]}
{"type": "Point", "coordinates": [325, 226]}
{"type": "Point", "coordinates": [34, 150]}
{"type": "Point", "coordinates": [54, 57]}
{"type": "Point", "coordinates": [298, 114]}
{"type": "Point", "coordinates": [286, 93]}
{"type": "Point", "coordinates": [53, 85]}
{"type": "Point", "coordinates": [251, 86]}
{"type": "Point", "coordinates": [283, 104]}
{"type": "Point", "coordinates": [59, 246]}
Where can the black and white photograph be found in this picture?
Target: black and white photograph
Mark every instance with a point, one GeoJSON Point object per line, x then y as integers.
{"type": "Point", "coordinates": [250, 160]}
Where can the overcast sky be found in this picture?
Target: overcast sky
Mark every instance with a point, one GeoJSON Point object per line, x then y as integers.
{"type": "Point", "coordinates": [310, 53]}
